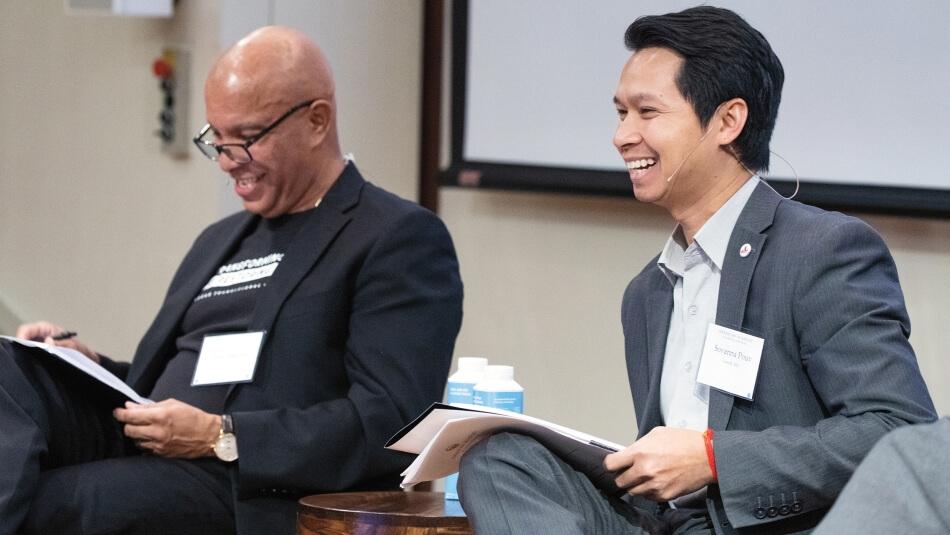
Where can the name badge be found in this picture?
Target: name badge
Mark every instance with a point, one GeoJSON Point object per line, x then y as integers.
{"type": "Point", "coordinates": [730, 361]}
{"type": "Point", "coordinates": [228, 358]}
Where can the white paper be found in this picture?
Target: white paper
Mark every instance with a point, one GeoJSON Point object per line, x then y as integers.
{"type": "Point", "coordinates": [730, 361]}
{"type": "Point", "coordinates": [447, 432]}
{"type": "Point", "coordinates": [86, 365]}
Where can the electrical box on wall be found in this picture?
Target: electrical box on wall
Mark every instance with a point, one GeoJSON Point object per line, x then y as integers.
{"type": "Point", "coordinates": [171, 69]}
{"type": "Point", "coordinates": [138, 8]}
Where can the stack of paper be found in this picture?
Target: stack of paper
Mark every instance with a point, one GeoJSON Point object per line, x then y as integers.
{"type": "Point", "coordinates": [443, 433]}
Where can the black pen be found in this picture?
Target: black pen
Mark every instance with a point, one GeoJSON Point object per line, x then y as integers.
{"type": "Point", "coordinates": [64, 335]}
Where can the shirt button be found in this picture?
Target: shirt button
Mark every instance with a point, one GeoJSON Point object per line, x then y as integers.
{"type": "Point", "coordinates": [682, 423]}
{"type": "Point", "coordinates": [693, 309]}
{"type": "Point", "coordinates": [688, 366]}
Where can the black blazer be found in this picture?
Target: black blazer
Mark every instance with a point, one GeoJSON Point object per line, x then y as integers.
{"type": "Point", "coordinates": [361, 319]}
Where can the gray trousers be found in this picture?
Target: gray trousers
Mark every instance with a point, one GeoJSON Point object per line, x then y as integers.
{"type": "Point", "coordinates": [902, 486]}
{"type": "Point", "coordinates": [511, 484]}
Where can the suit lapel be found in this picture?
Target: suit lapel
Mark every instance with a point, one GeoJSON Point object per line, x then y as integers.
{"type": "Point", "coordinates": [737, 273]}
{"type": "Point", "coordinates": [306, 248]}
{"type": "Point", "coordinates": [657, 311]}
{"type": "Point", "coordinates": [146, 363]}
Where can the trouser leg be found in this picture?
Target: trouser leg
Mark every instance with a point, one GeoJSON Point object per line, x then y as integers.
{"type": "Point", "coordinates": [21, 442]}
{"type": "Point", "coordinates": [510, 483]}
{"type": "Point", "coordinates": [141, 495]}
{"type": "Point", "coordinates": [45, 422]}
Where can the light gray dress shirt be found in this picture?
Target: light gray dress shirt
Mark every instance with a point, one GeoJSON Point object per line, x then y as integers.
{"type": "Point", "coordinates": [694, 271]}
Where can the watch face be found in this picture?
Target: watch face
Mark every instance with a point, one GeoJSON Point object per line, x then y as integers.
{"type": "Point", "coordinates": [226, 447]}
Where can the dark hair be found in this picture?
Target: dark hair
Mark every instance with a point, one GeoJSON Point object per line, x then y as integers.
{"type": "Point", "coordinates": [723, 58]}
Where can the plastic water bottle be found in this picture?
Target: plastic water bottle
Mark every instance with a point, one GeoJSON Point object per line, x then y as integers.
{"type": "Point", "coordinates": [499, 390]}
{"type": "Point", "coordinates": [471, 371]}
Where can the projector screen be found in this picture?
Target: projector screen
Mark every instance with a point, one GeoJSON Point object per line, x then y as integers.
{"type": "Point", "coordinates": [863, 121]}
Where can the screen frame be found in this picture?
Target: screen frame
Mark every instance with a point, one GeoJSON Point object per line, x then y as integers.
{"type": "Point", "coordinates": [464, 173]}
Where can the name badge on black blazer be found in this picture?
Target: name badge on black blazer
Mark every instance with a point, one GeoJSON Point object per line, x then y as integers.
{"type": "Point", "coordinates": [228, 358]}
{"type": "Point", "coordinates": [730, 361]}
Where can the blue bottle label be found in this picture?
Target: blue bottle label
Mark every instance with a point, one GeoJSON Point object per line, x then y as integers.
{"type": "Point", "coordinates": [460, 393]}
{"type": "Point", "coordinates": [509, 401]}
{"type": "Point", "coordinates": [451, 487]}
{"type": "Point", "coordinates": [457, 393]}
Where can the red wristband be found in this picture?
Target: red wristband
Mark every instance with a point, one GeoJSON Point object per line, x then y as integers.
{"type": "Point", "coordinates": [708, 439]}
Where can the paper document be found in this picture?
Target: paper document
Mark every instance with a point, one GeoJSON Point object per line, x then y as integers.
{"type": "Point", "coordinates": [86, 365]}
{"type": "Point", "coordinates": [443, 433]}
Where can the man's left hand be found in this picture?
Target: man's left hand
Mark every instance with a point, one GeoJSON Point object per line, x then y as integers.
{"type": "Point", "coordinates": [170, 428]}
{"type": "Point", "coordinates": [665, 464]}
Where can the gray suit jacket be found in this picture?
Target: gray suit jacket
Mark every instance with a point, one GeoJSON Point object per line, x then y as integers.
{"type": "Point", "coordinates": [903, 486]}
{"type": "Point", "coordinates": [837, 370]}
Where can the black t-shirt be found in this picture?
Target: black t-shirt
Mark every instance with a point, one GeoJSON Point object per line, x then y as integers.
{"type": "Point", "coordinates": [225, 305]}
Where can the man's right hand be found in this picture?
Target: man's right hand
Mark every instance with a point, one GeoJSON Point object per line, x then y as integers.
{"type": "Point", "coordinates": [44, 331]}
{"type": "Point", "coordinates": [662, 465]}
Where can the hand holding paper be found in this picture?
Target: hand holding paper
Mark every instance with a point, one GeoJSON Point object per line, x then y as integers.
{"type": "Point", "coordinates": [82, 363]}
{"type": "Point", "coordinates": [664, 464]}
{"type": "Point", "coordinates": [170, 428]}
{"type": "Point", "coordinates": [52, 334]}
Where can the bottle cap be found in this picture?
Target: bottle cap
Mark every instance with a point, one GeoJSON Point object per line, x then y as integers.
{"type": "Point", "coordinates": [499, 373]}
{"type": "Point", "coordinates": [472, 363]}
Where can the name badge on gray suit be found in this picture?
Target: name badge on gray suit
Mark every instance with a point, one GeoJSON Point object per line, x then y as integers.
{"type": "Point", "coordinates": [730, 361]}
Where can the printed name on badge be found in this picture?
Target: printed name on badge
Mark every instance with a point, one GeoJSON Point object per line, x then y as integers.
{"type": "Point", "coordinates": [228, 358]}
{"type": "Point", "coordinates": [730, 361]}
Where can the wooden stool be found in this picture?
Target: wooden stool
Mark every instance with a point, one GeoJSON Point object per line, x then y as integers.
{"type": "Point", "coordinates": [380, 513]}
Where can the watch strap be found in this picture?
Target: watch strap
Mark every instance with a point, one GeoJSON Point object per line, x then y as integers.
{"type": "Point", "coordinates": [227, 425]}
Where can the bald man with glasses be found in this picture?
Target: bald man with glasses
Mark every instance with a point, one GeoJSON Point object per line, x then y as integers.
{"type": "Point", "coordinates": [296, 337]}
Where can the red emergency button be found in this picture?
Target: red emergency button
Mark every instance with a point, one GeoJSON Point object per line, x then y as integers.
{"type": "Point", "coordinates": [162, 68]}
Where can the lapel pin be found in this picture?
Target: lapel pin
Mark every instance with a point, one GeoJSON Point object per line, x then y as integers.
{"type": "Point", "coordinates": [745, 250]}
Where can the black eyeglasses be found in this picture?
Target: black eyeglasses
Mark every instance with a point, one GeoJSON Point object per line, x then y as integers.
{"type": "Point", "coordinates": [237, 152]}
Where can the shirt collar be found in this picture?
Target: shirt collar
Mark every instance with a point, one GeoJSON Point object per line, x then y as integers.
{"type": "Point", "coordinates": [712, 238]}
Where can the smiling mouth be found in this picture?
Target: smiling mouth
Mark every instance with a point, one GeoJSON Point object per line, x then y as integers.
{"type": "Point", "coordinates": [245, 183]}
{"type": "Point", "coordinates": [639, 165]}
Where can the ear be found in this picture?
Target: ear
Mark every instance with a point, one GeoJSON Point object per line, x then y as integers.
{"type": "Point", "coordinates": [320, 115]}
{"type": "Point", "coordinates": [733, 114]}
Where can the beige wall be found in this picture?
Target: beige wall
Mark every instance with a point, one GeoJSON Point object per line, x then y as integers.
{"type": "Point", "coordinates": [93, 219]}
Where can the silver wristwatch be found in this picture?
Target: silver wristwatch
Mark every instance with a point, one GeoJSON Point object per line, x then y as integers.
{"type": "Point", "coordinates": [225, 447]}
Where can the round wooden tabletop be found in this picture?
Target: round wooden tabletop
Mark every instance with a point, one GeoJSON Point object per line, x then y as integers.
{"type": "Point", "coordinates": [381, 513]}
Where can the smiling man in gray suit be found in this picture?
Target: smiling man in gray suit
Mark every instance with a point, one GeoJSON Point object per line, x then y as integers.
{"type": "Point", "coordinates": [767, 345]}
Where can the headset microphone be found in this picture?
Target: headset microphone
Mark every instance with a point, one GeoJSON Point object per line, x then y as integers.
{"type": "Point", "coordinates": [688, 155]}
{"type": "Point", "coordinates": [709, 129]}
